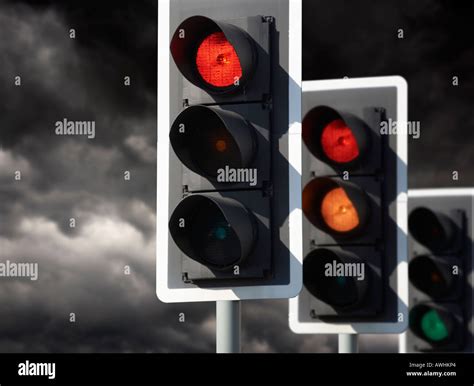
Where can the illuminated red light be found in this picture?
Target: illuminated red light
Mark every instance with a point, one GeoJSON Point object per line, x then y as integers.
{"type": "Point", "coordinates": [338, 142]}
{"type": "Point", "coordinates": [217, 61]}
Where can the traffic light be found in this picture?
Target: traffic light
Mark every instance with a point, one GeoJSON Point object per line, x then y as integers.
{"type": "Point", "coordinates": [440, 271]}
{"type": "Point", "coordinates": [228, 110]}
{"type": "Point", "coordinates": [354, 190]}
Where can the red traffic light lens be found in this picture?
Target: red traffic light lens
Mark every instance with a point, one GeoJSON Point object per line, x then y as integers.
{"type": "Point", "coordinates": [218, 57]}
{"type": "Point", "coordinates": [338, 142]}
{"type": "Point", "coordinates": [217, 61]}
{"type": "Point", "coordinates": [337, 138]}
{"type": "Point", "coordinates": [339, 212]}
{"type": "Point", "coordinates": [434, 230]}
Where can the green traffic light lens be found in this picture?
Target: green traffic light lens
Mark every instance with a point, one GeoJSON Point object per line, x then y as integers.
{"type": "Point", "coordinates": [342, 292]}
{"type": "Point", "coordinates": [220, 232]}
{"type": "Point", "coordinates": [212, 238]}
{"type": "Point", "coordinates": [433, 326]}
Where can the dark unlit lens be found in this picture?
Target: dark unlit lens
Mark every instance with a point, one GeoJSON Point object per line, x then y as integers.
{"type": "Point", "coordinates": [213, 148]}
{"type": "Point", "coordinates": [212, 237]}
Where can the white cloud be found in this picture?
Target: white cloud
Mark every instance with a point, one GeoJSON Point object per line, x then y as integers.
{"type": "Point", "coordinates": [141, 148]}
{"type": "Point", "coordinates": [10, 163]}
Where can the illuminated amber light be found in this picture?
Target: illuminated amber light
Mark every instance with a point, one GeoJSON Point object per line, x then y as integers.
{"type": "Point", "coordinates": [221, 146]}
{"type": "Point", "coordinates": [338, 211]}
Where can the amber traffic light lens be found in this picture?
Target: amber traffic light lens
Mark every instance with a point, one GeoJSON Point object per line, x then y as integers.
{"type": "Point", "coordinates": [338, 211]}
{"type": "Point", "coordinates": [218, 57]}
{"type": "Point", "coordinates": [432, 275]}
{"type": "Point", "coordinates": [337, 207]}
{"type": "Point", "coordinates": [221, 145]}
{"type": "Point", "coordinates": [208, 139]}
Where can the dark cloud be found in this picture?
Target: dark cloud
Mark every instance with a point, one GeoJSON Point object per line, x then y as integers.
{"type": "Point", "coordinates": [66, 78]}
{"type": "Point", "coordinates": [360, 38]}
{"type": "Point", "coordinates": [81, 271]}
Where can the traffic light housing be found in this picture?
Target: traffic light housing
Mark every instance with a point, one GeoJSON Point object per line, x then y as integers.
{"type": "Point", "coordinates": [440, 271]}
{"type": "Point", "coordinates": [228, 123]}
{"type": "Point", "coordinates": [354, 192]}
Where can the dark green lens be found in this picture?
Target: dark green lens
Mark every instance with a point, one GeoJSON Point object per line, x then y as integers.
{"type": "Point", "coordinates": [220, 233]}
{"type": "Point", "coordinates": [433, 326]}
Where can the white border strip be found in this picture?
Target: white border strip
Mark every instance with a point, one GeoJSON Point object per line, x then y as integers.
{"type": "Point", "coordinates": [163, 125]}
{"type": "Point", "coordinates": [438, 192]}
{"type": "Point", "coordinates": [450, 192]}
{"type": "Point", "coordinates": [195, 294]}
{"type": "Point", "coordinates": [401, 202]}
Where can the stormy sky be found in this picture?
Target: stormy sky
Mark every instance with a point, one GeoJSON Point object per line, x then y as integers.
{"type": "Point", "coordinates": [81, 270]}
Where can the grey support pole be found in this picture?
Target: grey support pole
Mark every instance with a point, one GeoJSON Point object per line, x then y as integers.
{"type": "Point", "coordinates": [228, 326]}
{"type": "Point", "coordinates": [348, 343]}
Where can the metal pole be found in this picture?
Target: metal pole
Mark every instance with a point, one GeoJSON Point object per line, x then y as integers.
{"type": "Point", "coordinates": [228, 326]}
{"type": "Point", "coordinates": [348, 343]}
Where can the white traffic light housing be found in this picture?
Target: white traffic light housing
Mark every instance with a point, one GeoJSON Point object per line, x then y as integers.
{"type": "Point", "coordinates": [229, 113]}
{"type": "Point", "coordinates": [354, 193]}
{"type": "Point", "coordinates": [441, 263]}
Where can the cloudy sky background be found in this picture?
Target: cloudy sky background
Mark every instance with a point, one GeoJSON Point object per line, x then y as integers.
{"type": "Point", "coordinates": [81, 269]}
